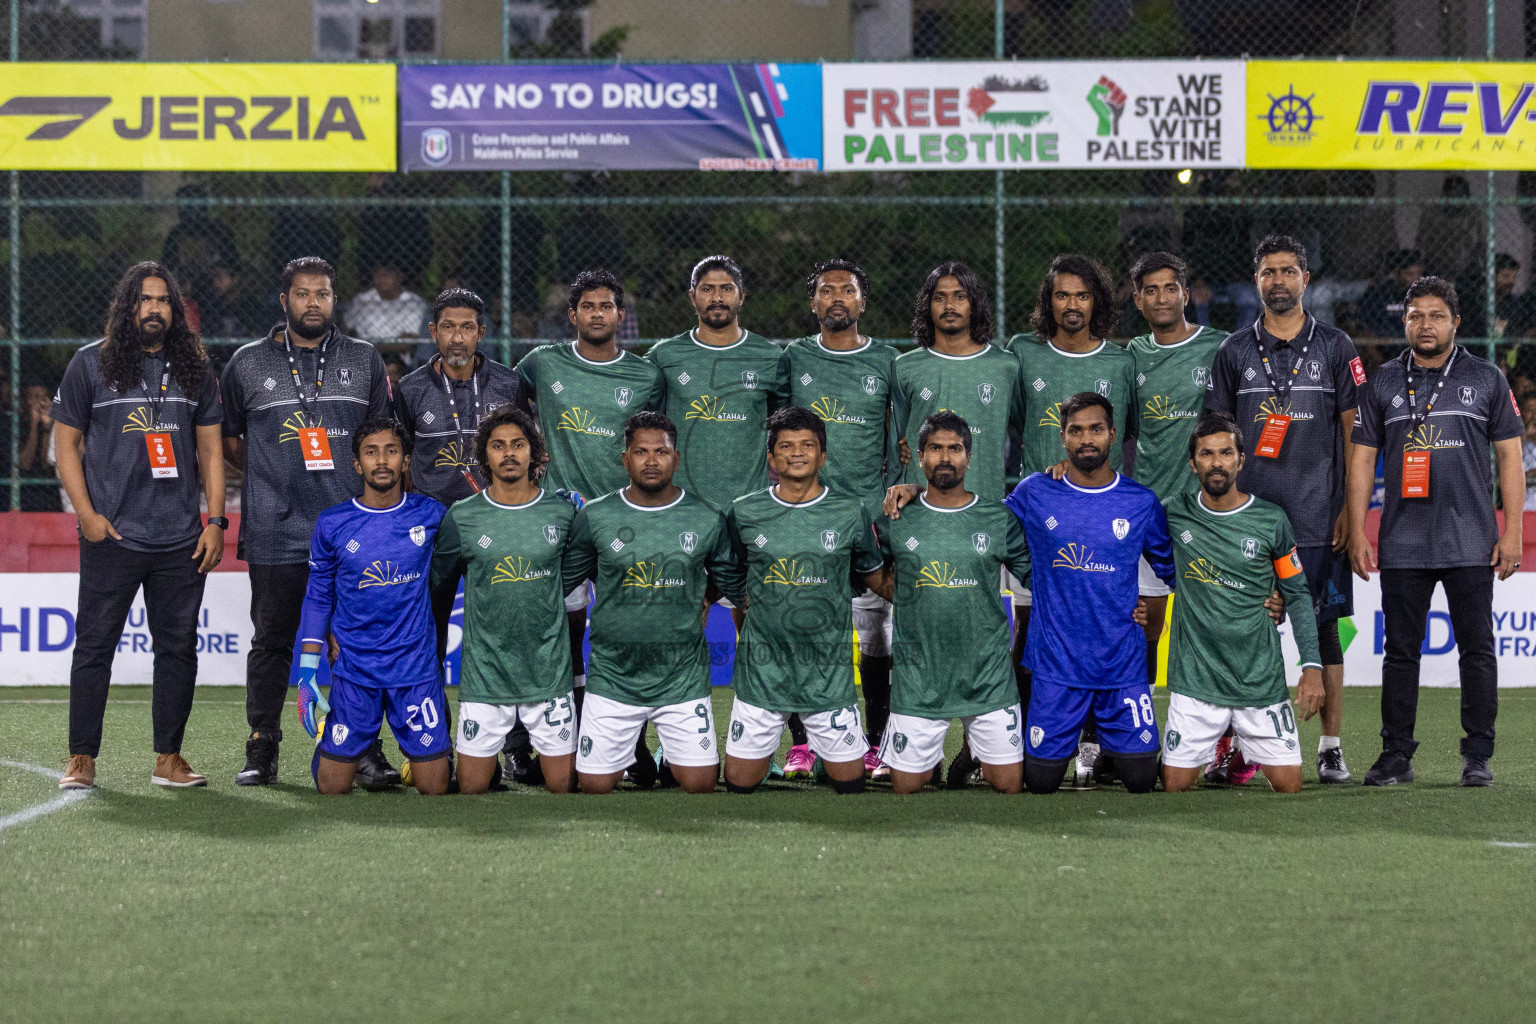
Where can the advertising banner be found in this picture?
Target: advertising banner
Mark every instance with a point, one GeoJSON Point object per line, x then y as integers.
{"type": "Point", "coordinates": [1032, 115]}
{"type": "Point", "coordinates": [197, 117]}
{"type": "Point", "coordinates": [1392, 115]}
{"type": "Point", "coordinates": [611, 117]}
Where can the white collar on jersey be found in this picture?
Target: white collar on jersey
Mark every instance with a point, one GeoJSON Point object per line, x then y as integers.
{"type": "Point", "coordinates": [926, 504]}
{"type": "Point", "coordinates": [864, 339]}
{"type": "Point", "coordinates": [649, 508]}
{"type": "Point", "coordinates": [973, 355]}
{"type": "Point", "coordinates": [773, 492]}
{"type": "Point", "coordinates": [596, 362]}
{"type": "Point", "coordinates": [1200, 500]}
{"type": "Point", "coordinates": [1076, 355]}
{"type": "Point", "coordinates": [1094, 490]}
{"type": "Point", "coordinates": [694, 335]}
{"type": "Point", "coordinates": [379, 511]}
{"type": "Point", "coordinates": [486, 494]}
{"type": "Point", "coordinates": [1185, 341]}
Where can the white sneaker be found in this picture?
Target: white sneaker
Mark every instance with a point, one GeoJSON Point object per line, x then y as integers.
{"type": "Point", "coordinates": [1087, 760]}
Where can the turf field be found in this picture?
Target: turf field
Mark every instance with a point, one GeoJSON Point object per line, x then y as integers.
{"type": "Point", "coordinates": [225, 904]}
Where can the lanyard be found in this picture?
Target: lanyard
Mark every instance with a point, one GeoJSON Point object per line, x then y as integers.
{"type": "Point", "coordinates": [453, 407]}
{"type": "Point", "coordinates": [293, 368]}
{"type": "Point", "coordinates": [1415, 421]}
{"type": "Point", "coordinates": [1281, 393]}
{"type": "Point", "coordinates": [156, 402]}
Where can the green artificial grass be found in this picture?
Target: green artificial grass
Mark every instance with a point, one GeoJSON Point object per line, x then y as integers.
{"type": "Point", "coordinates": [793, 904]}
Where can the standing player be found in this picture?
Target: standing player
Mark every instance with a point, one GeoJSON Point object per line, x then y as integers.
{"type": "Point", "coordinates": [652, 549]}
{"type": "Point", "coordinates": [798, 543]}
{"type": "Point", "coordinates": [289, 399]}
{"type": "Point", "coordinates": [951, 633]}
{"type": "Point", "coordinates": [1086, 653]}
{"type": "Point", "coordinates": [1290, 381]}
{"type": "Point", "coordinates": [845, 379]}
{"type": "Point", "coordinates": [582, 391]}
{"type": "Point", "coordinates": [369, 562]}
{"type": "Point", "coordinates": [508, 543]}
{"type": "Point", "coordinates": [1225, 666]}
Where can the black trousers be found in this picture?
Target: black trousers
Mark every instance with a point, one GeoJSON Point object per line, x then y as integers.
{"type": "Point", "coordinates": [110, 578]}
{"type": "Point", "coordinates": [1405, 595]}
{"type": "Point", "coordinates": [277, 599]}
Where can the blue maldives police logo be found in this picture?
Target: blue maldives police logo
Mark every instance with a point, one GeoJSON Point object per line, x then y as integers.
{"type": "Point", "coordinates": [436, 146]}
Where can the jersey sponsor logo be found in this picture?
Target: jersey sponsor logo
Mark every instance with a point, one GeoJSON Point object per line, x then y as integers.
{"type": "Point", "coordinates": [352, 546]}
{"type": "Point", "coordinates": [1122, 528]}
{"type": "Point", "coordinates": [1187, 537]}
{"type": "Point", "coordinates": [912, 543]}
{"type": "Point", "coordinates": [1397, 401]}
{"type": "Point", "coordinates": [450, 456]}
{"type": "Point", "coordinates": [344, 376]}
{"type": "Point", "coordinates": [871, 384]}
{"type": "Point", "coordinates": [981, 542]}
{"type": "Point", "coordinates": [786, 572]}
{"type": "Point", "coordinates": [806, 379]}
{"type": "Point", "coordinates": [551, 533]}
{"type": "Point", "coordinates": [582, 421]}
{"type": "Point", "coordinates": [484, 541]}
{"type": "Point", "coordinates": [1161, 407]}
{"type": "Point", "coordinates": [1146, 735]}
{"type": "Point", "coordinates": [688, 541]}
{"type": "Point", "coordinates": [1314, 370]}
{"type": "Point", "coordinates": [517, 569]}
{"type": "Point", "coordinates": [1038, 384]}
{"type": "Point", "coordinates": [1271, 407]}
{"type": "Point", "coordinates": [427, 417]}
{"type": "Point", "coordinates": [1250, 547]}
{"type": "Point", "coordinates": [1249, 374]}
{"type": "Point", "coordinates": [623, 396]}
{"type": "Point", "coordinates": [683, 378]}
{"type": "Point", "coordinates": [1103, 387]}
{"type": "Point", "coordinates": [925, 394]}
{"type": "Point", "coordinates": [648, 575]}
{"type": "Point", "coordinates": [384, 574]}
{"type": "Point", "coordinates": [1201, 375]}
{"type": "Point", "coordinates": [1429, 438]}
{"type": "Point", "coordinates": [830, 410]}
{"type": "Point", "coordinates": [1051, 522]}
{"type": "Point", "coordinates": [1141, 379]}
{"type": "Point", "coordinates": [939, 574]}
{"type": "Point", "coordinates": [616, 544]}
{"type": "Point", "coordinates": [1357, 370]}
{"type": "Point", "coordinates": [985, 392]}
{"type": "Point", "coordinates": [749, 379]}
{"type": "Point", "coordinates": [269, 383]}
{"type": "Point", "coordinates": [418, 535]}
{"type": "Point", "coordinates": [1467, 394]}
{"type": "Point", "coordinates": [140, 423]}
{"type": "Point", "coordinates": [708, 407]}
{"type": "Point", "coordinates": [299, 421]}
{"type": "Point", "coordinates": [557, 387]}
{"type": "Point", "coordinates": [1036, 735]}
{"type": "Point", "coordinates": [1052, 417]}
{"type": "Point", "coordinates": [1206, 571]}
{"type": "Point", "coordinates": [829, 540]}
{"type": "Point", "coordinates": [1080, 557]}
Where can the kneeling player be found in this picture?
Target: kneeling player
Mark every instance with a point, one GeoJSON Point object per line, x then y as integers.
{"type": "Point", "coordinates": [508, 542]}
{"type": "Point", "coordinates": [651, 548]}
{"type": "Point", "coordinates": [369, 560]}
{"type": "Point", "coordinates": [951, 636]}
{"type": "Point", "coordinates": [1225, 667]}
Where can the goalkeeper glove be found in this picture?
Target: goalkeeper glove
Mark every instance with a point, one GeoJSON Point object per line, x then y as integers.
{"type": "Point", "coordinates": [313, 706]}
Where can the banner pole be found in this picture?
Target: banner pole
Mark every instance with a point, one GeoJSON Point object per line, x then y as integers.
{"type": "Point", "coordinates": [998, 227]}
{"type": "Point", "coordinates": [506, 211]}
{"type": "Point", "coordinates": [1490, 303]}
{"type": "Point", "coordinates": [15, 382]}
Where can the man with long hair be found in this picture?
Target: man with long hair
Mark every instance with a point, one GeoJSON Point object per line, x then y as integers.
{"type": "Point", "coordinates": [137, 419]}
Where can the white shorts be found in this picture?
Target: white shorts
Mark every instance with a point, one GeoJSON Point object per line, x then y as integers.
{"type": "Point", "coordinates": [578, 599]}
{"type": "Point", "coordinates": [914, 745]}
{"type": "Point", "coordinates": [551, 726]}
{"type": "Point", "coordinates": [1021, 595]}
{"type": "Point", "coordinates": [610, 728]}
{"type": "Point", "coordinates": [836, 736]}
{"type": "Point", "coordinates": [1149, 583]}
{"type": "Point", "coordinates": [1268, 734]}
{"type": "Point", "coordinates": [872, 621]}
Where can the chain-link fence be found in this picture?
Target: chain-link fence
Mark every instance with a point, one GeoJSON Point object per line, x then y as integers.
{"type": "Point", "coordinates": [518, 239]}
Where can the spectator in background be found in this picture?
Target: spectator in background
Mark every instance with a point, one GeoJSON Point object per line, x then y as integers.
{"type": "Point", "coordinates": [1512, 314]}
{"type": "Point", "coordinates": [394, 366]}
{"type": "Point", "coordinates": [227, 311]}
{"type": "Point", "coordinates": [1330, 292]}
{"type": "Point", "coordinates": [1201, 299]}
{"type": "Point", "coordinates": [388, 311]}
{"type": "Point", "coordinates": [394, 233]}
{"type": "Point", "coordinates": [34, 456]}
{"type": "Point", "coordinates": [1528, 449]}
{"type": "Point", "coordinates": [197, 243]}
{"type": "Point", "coordinates": [1381, 307]}
{"type": "Point", "coordinates": [1451, 235]}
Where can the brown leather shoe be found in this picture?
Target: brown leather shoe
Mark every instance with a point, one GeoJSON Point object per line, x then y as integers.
{"type": "Point", "coordinates": [81, 773]}
{"type": "Point", "coordinates": [173, 770]}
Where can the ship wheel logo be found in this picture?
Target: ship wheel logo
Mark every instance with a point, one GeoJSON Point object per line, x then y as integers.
{"type": "Point", "coordinates": [1290, 117]}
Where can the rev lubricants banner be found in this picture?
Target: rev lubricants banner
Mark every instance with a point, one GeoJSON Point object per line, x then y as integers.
{"type": "Point", "coordinates": [197, 117]}
{"type": "Point", "coordinates": [1392, 115]}
{"type": "Point", "coordinates": [1032, 115]}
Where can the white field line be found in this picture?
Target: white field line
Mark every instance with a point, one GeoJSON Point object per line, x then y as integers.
{"type": "Point", "coordinates": [58, 803]}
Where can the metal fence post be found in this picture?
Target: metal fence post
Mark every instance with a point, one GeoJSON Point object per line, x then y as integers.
{"type": "Point", "coordinates": [15, 284]}
{"type": "Point", "coordinates": [1490, 303]}
{"type": "Point", "coordinates": [999, 226]}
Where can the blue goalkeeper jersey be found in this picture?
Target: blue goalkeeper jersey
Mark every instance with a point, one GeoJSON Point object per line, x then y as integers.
{"type": "Point", "coordinates": [1085, 545]}
{"type": "Point", "coordinates": [368, 573]}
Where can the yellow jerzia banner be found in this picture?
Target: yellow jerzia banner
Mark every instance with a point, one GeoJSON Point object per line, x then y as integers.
{"type": "Point", "coordinates": [197, 117]}
{"type": "Point", "coordinates": [1392, 115]}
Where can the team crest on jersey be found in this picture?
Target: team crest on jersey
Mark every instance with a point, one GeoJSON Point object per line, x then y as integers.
{"type": "Point", "coordinates": [749, 379]}
{"type": "Point", "coordinates": [344, 376]}
{"type": "Point", "coordinates": [899, 741]}
{"type": "Point", "coordinates": [985, 393]}
{"type": "Point", "coordinates": [736, 730]}
{"type": "Point", "coordinates": [1250, 547]}
{"type": "Point", "coordinates": [1314, 370]}
{"type": "Point", "coordinates": [623, 396]}
{"type": "Point", "coordinates": [688, 541]}
{"type": "Point", "coordinates": [552, 533]}
{"type": "Point", "coordinates": [586, 746]}
{"type": "Point", "coordinates": [1467, 394]}
{"type": "Point", "coordinates": [829, 540]}
{"type": "Point", "coordinates": [418, 535]}
{"type": "Point", "coordinates": [1172, 739]}
{"type": "Point", "coordinates": [980, 542]}
{"type": "Point", "coordinates": [1036, 735]}
{"type": "Point", "coordinates": [871, 384]}
{"type": "Point", "coordinates": [1121, 528]}
{"type": "Point", "coordinates": [471, 727]}
{"type": "Point", "coordinates": [339, 733]}
{"type": "Point", "coordinates": [1201, 375]}
{"type": "Point", "coordinates": [1102, 387]}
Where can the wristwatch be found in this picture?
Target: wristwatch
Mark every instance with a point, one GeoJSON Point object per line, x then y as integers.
{"type": "Point", "coordinates": [222, 522]}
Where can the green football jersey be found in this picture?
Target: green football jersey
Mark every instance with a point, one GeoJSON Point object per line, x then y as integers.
{"type": "Point", "coordinates": [795, 652]}
{"type": "Point", "coordinates": [720, 398]}
{"type": "Point", "coordinates": [650, 567]}
{"type": "Point", "coordinates": [1048, 377]}
{"type": "Point", "coordinates": [851, 392]}
{"type": "Point", "coordinates": [1224, 649]}
{"type": "Point", "coordinates": [951, 640]}
{"type": "Point", "coordinates": [1170, 392]}
{"type": "Point", "coordinates": [582, 408]}
{"type": "Point", "coordinates": [516, 648]}
{"type": "Point", "coordinates": [982, 389]}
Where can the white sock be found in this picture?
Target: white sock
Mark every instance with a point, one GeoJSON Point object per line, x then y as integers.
{"type": "Point", "coordinates": [1327, 743]}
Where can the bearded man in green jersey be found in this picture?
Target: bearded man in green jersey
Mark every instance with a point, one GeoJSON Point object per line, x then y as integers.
{"type": "Point", "coordinates": [651, 550]}
{"type": "Point", "coordinates": [508, 543]}
{"type": "Point", "coordinates": [951, 635]}
{"type": "Point", "coordinates": [1225, 666]}
{"type": "Point", "coordinates": [798, 546]}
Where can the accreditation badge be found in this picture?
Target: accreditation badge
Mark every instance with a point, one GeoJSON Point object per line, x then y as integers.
{"type": "Point", "coordinates": [317, 448]}
{"type": "Point", "coordinates": [1416, 474]}
{"type": "Point", "coordinates": [1273, 435]}
{"type": "Point", "coordinates": [162, 455]}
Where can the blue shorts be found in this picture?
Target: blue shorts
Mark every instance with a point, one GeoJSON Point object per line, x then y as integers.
{"type": "Point", "coordinates": [1127, 725]}
{"type": "Point", "coordinates": [1330, 580]}
{"type": "Point", "coordinates": [418, 716]}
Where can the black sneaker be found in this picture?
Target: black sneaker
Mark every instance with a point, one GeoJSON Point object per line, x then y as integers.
{"type": "Point", "coordinates": [643, 772]}
{"type": "Point", "coordinates": [1390, 769]}
{"type": "Point", "coordinates": [1331, 769]}
{"type": "Point", "coordinates": [1218, 774]}
{"type": "Point", "coordinates": [523, 768]}
{"type": "Point", "coordinates": [960, 769]}
{"type": "Point", "coordinates": [373, 772]}
{"type": "Point", "coordinates": [260, 762]}
{"type": "Point", "coordinates": [1475, 772]}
